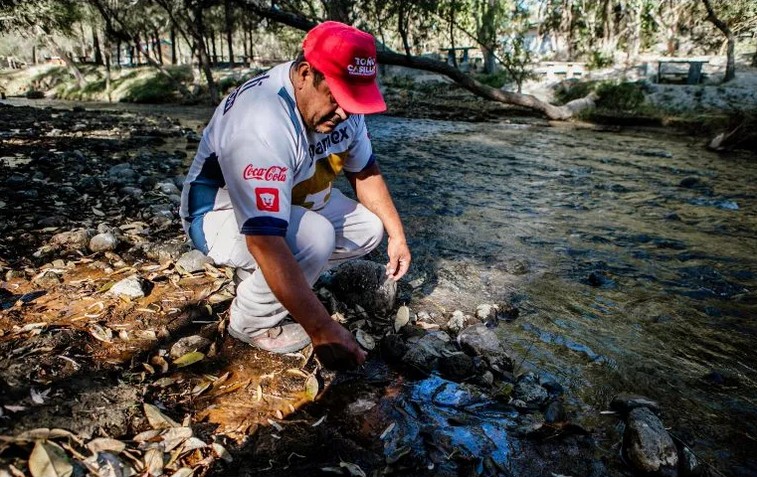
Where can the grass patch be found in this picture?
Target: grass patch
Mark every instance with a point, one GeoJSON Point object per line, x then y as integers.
{"type": "Point", "coordinates": [155, 88]}
{"type": "Point", "coordinates": [495, 80]}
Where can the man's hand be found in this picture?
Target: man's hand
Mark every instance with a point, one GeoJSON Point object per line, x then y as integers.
{"type": "Point", "coordinates": [336, 348]}
{"type": "Point", "coordinates": [399, 259]}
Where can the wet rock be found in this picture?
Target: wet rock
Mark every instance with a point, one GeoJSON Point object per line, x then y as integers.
{"type": "Point", "coordinates": [457, 366]}
{"type": "Point", "coordinates": [122, 174]}
{"type": "Point", "coordinates": [393, 348]}
{"type": "Point", "coordinates": [507, 312]}
{"type": "Point", "coordinates": [73, 240]}
{"type": "Point", "coordinates": [528, 390]}
{"type": "Point", "coordinates": [624, 403]}
{"type": "Point", "coordinates": [647, 446]}
{"type": "Point", "coordinates": [722, 378]}
{"type": "Point", "coordinates": [132, 287]}
{"type": "Point", "coordinates": [364, 283]}
{"type": "Point", "coordinates": [529, 424]}
{"type": "Point", "coordinates": [457, 322]}
{"type": "Point", "coordinates": [688, 464]}
{"type": "Point", "coordinates": [164, 252]}
{"type": "Point", "coordinates": [188, 344]}
{"type": "Point", "coordinates": [555, 412]}
{"type": "Point", "coordinates": [690, 182]}
{"type": "Point", "coordinates": [193, 261]}
{"type": "Point", "coordinates": [103, 242]}
{"type": "Point", "coordinates": [131, 191]}
{"type": "Point", "coordinates": [599, 279]}
{"type": "Point", "coordinates": [518, 267]}
{"type": "Point", "coordinates": [168, 188]}
{"type": "Point", "coordinates": [479, 340]}
{"type": "Point", "coordinates": [47, 279]}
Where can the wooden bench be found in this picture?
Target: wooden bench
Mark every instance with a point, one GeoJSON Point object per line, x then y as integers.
{"type": "Point", "coordinates": [693, 73]}
{"type": "Point", "coordinates": [452, 54]}
{"type": "Point", "coordinates": [560, 70]}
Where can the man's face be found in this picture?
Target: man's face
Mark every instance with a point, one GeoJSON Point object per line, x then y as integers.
{"type": "Point", "coordinates": [319, 110]}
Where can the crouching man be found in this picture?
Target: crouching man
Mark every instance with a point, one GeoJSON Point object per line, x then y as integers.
{"type": "Point", "coordinates": [259, 196]}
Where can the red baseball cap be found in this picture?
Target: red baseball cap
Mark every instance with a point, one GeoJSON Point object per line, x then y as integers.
{"type": "Point", "coordinates": [347, 58]}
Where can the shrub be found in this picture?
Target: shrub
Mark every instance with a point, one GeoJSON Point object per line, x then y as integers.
{"type": "Point", "coordinates": [620, 96]}
{"type": "Point", "coordinates": [152, 89]}
{"type": "Point", "coordinates": [495, 80]}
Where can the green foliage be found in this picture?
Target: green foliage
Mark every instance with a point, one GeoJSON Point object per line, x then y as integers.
{"type": "Point", "coordinates": [620, 96]}
{"type": "Point", "coordinates": [495, 80]}
{"type": "Point", "coordinates": [153, 89]}
{"type": "Point", "coordinates": [597, 60]}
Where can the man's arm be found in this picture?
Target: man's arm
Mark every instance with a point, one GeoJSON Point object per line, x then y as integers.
{"type": "Point", "coordinates": [333, 344]}
{"type": "Point", "coordinates": [372, 192]}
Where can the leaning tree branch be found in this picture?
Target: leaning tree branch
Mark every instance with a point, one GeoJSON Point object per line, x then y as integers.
{"type": "Point", "coordinates": [387, 57]}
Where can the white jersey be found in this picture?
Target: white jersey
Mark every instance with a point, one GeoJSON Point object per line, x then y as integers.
{"type": "Point", "coordinates": [258, 158]}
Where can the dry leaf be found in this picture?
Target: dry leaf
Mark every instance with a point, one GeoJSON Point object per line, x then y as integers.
{"type": "Point", "coordinates": [157, 419]}
{"type": "Point", "coordinates": [319, 421]}
{"type": "Point", "coordinates": [49, 460]}
{"type": "Point", "coordinates": [154, 461]}
{"type": "Point", "coordinates": [190, 358]}
{"type": "Point", "coordinates": [222, 452]}
{"type": "Point", "coordinates": [387, 430]}
{"type": "Point", "coordinates": [297, 372]}
{"type": "Point", "coordinates": [39, 396]}
{"type": "Point", "coordinates": [365, 340]}
{"type": "Point", "coordinates": [105, 444]}
{"type": "Point", "coordinates": [312, 386]}
{"type": "Point", "coordinates": [193, 443]}
{"type": "Point", "coordinates": [403, 317]}
{"type": "Point", "coordinates": [147, 435]}
{"type": "Point", "coordinates": [184, 472]}
{"type": "Point", "coordinates": [101, 333]}
{"type": "Point", "coordinates": [175, 436]}
{"type": "Point", "coordinates": [353, 469]}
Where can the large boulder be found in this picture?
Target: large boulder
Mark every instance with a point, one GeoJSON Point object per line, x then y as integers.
{"type": "Point", "coordinates": [364, 283]}
{"type": "Point", "coordinates": [647, 446]}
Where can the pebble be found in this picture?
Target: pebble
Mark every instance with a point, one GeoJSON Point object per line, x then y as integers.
{"type": "Point", "coordinates": [457, 322]}
{"type": "Point", "coordinates": [132, 287]}
{"type": "Point", "coordinates": [647, 446]}
{"type": "Point", "coordinates": [193, 261]}
{"type": "Point", "coordinates": [188, 344]}
{"type": "Point", "coordinates": [103, 242]}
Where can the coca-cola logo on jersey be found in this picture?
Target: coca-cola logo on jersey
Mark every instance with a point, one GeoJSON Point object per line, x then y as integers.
{"type": "Point", "coordinates": [270, 174]}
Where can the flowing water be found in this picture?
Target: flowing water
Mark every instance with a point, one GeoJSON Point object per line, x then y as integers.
{"type": "Point", "coordinates": [630, 256]}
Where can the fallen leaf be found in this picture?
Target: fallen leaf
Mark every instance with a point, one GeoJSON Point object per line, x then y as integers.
{"type": "Point", "coordinates": [14, 408]}
{"type": "Point", "coordinates": [147, 435]}
{"type": "Point", "coordinates": [184, 472]}
{"type": "Point", "coordinates": [403, 317]}
{"type": "Point", "coordinates": [275, 425]}
{"type": "Point", "coordinates": [222, 452]}
{"type": "Point", "coordinates": [365, 340]}
{"type": "Point", "coordinates": [175, 436]}
{"type": "Point", "coordinates": [106, 444]}
{"type": "Point", "coordinates": [101, 333]}
{"type": "Point", "coordinates": [49, 460]}
{"type": "Point", "coordinates": [154, 461]}
{"type": "Point", "coordinates": [190, 358]}
{"type": "Point", "coordinates": [312, 387]}
{"type": "Point", "coordinates": [157, 419]}
{"type": "Point", "coordinates": [353, 469]}
{"type": "Point", "coordinates": [193, 443]}
{"type": "Point", "coordinates": [39, 396]}
{"type": "Point", "coordinates": [319, 421]}
{"type": "Point", "coordinates": [387, 430]}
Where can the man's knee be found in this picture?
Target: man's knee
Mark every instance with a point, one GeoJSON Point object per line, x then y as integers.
{"type": "Point", "coordinates": [314, 239]}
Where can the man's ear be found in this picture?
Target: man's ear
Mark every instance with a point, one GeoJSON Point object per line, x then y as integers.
{"type": "Point", "coordinates": [302, 72]}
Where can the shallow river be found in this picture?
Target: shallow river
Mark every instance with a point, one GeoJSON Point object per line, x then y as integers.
{"type": "Point", "coordinates": [631, 256]}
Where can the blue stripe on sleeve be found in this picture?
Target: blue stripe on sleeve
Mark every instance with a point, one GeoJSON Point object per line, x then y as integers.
{"type": "Point", "coordinates": [265, 226]}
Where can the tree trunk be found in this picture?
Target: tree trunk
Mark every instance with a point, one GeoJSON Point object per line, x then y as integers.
{"type": "Point", "coordinates": [229, 31]}
{"type": "Point", "coordinates": [213, 44]}
{"type": "Point", "coordinates": [106, 43]}
{"type": "Point", "coordinates": [754, 59]}
{"type": "Point", "coordinates": [202, 56]}
{"type": "Point", "coordinates": [34, 54]}
{"type": "Point", "coordinates": [435, 66]}
{"type": "Point", "coordinates": [730, 68]}
{"type": "Point", "coordinates": [72, 68]}
{"type": "Point", "coordinates": [173, 46]}
{"type": "Point", "coordinates": [98, 51]}
{"type": "Point", "coordinates": [118, 53]}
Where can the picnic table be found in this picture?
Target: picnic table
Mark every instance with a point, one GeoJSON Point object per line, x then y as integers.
{"type": "Point", "coordinates": [452, 53]}
{"type": "Point", "coordinates": [694, 72]}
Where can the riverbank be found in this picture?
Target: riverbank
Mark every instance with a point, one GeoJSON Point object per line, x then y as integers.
{"type": "Point", "coordinates": [724, 114]}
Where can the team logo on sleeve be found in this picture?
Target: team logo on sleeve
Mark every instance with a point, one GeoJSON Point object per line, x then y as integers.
{"type": "Point", "coordinates": [267, 199]}
{"type": "Point", "coordinates": [270, 174]}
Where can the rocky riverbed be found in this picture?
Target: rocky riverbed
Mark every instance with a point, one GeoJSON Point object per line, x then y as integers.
{"type": "Point", "coordinates": [115, 359]}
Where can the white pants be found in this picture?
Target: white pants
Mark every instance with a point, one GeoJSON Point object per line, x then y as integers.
{"type": "Point", "coordinates": [340, 231]}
